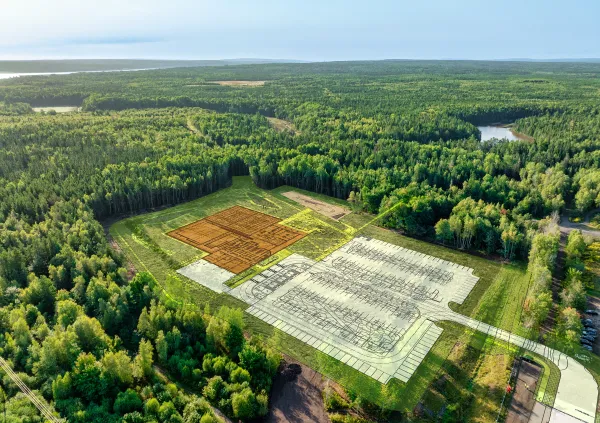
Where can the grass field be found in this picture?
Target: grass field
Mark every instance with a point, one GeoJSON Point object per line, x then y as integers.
{"type": "Point", "coordinates": [144, 241]}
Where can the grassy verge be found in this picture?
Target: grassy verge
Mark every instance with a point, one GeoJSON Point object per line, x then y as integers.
{"type": "Point", "coordinates": [470, 384]}
{"type": "Point", "coordinates": [548, 385]}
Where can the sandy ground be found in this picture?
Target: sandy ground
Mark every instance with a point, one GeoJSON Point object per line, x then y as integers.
{"type": "Point", "coordinates": [298, 400]}
{"type": "Point", "coordinates": [329, 210]}
{"type": "Point", "coordinates": [523, 399]}
{"type": "Point", "coordinates": [240, 83]}
{"type": "Point", "coordinates": [60, 109]}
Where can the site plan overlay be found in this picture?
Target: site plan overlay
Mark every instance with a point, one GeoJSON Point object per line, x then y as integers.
{"type": "Point", "coordinates": [373, 306]}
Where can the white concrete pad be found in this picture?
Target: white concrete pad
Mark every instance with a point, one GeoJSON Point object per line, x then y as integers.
{"type": "Point", "coordinates": [207, 274]}
{"type": "Point", "coordinates": [558, 416]}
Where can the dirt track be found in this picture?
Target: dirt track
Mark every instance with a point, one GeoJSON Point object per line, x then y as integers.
{"type": "Point", "coordinates": [567, 226]}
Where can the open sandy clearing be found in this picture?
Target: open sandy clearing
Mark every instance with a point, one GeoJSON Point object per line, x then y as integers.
{"type": "Point", "coordinates": [59, 109]}
{"type": "Point", "coordinates": [240, 83]}
{"type": "Point", "coordinates": [326, 209]}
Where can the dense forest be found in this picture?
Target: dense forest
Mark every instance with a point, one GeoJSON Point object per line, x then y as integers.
{"type": "Point", "coordinates": [396, 138]}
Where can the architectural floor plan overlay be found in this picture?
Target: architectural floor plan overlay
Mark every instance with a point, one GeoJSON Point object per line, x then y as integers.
{"type": "Point", "coordinates": [373, 306]}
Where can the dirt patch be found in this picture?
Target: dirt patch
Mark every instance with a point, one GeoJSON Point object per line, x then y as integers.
{"type": "Point", "coordinates": [296, 395]}
{"type": "Point", "coordinates": [523, 399]}
{"type": "Point", "coordinates": [281, 125]}
{"type": "Point", "coordinates": [237, 238]}
{"type": "Point", "coordinates": [329, 210]}
{"type": "Point", "coordinates": [240, 83]}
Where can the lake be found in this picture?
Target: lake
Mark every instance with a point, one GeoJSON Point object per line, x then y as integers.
{"type": "Point", "coordinates": [498, 132]}
{"type": "Point", "coordinates": [16, 75]}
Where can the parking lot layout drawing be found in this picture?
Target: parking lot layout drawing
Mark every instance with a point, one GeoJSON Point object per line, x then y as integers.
{"type": "Point", "coordinates": [373, 306]}
{"type": "Point", "coordinates": [367, 304]}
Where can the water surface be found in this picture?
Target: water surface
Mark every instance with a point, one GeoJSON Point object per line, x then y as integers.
{"type": "Point", "coordinates": [498, 132]}
{"type": "Point", "coordinates": [16, 75]}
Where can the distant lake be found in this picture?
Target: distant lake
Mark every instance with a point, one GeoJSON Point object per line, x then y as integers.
{"type": "Point", "coordinates": [498, 132]}
{"type": "Point", "coordinates": [16, 75]}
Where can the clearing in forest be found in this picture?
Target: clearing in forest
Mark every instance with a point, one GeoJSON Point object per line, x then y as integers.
{"type": "Point", "coordinates": [57, 109]}
{"type": "Point", "coordinates": [240, 83]}
{"type": "Point", "coordinates": [326, 209]}
{"type": "Point", "coordinates": [237, 238]}
{"type": "Point", "coordinates": [281, 125]}
{"type": "Point", "coordinates": [369, 304]}
{"type": "Point", "coordinates": [145, 241]}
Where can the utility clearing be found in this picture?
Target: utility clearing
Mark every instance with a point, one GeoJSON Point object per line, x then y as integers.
{"type": "Point", "coordinates": [374, 307]}
{"type": "Point", "coordinates": [238, 238]}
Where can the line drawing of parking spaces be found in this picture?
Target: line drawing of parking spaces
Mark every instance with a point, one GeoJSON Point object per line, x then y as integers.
{"type": "Point", "coordinates": [367, 304]}
{"type": "Point", "coordinates": [373, 306]}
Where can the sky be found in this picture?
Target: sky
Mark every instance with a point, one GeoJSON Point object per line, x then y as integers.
{"type": "Point", "coordinates": [321, 30]}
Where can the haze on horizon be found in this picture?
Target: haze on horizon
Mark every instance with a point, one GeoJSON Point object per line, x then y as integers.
{"type": "Point", "coordinates": [302, 30]}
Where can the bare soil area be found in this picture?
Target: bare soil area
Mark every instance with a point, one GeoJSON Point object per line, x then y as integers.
{"type": "Point", "coordinates": [237, 238]}
{"type": "Point", "coordinates": [329, 210]}
{"type": "Point", "coordinates": [297, 398]}
{"type": "Point", "coordinates": [523, 399]}
{"type": "Point", "coordinates": [57, 109]}
{"type": "Point", "coordinates": [240, 83]}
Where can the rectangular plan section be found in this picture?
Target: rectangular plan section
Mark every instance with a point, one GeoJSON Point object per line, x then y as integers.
{"type": "Point", "coordinates": [237, 238]}
{"type": "Point", "coordinates": [369, 304]}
